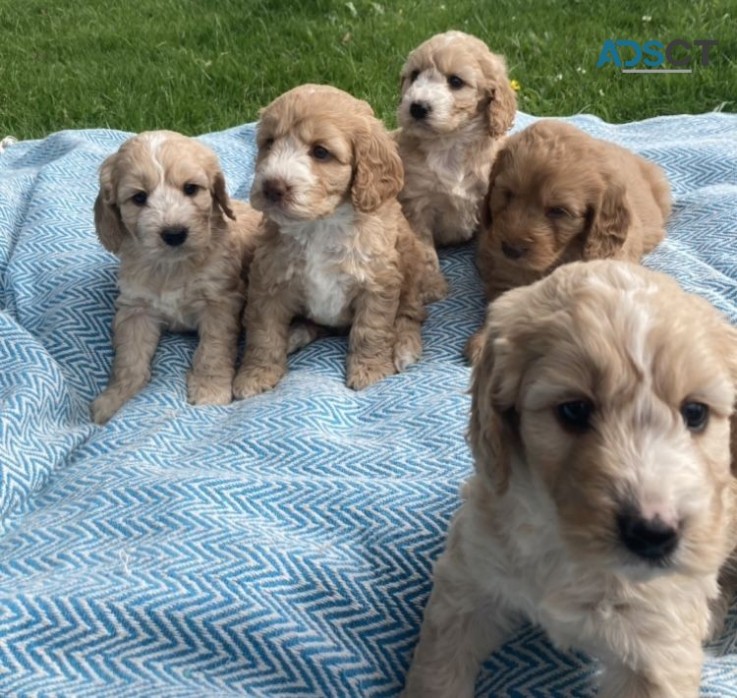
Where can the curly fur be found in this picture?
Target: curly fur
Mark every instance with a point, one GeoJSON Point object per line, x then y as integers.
{"type": "Point", "coordinates": [557, 195]}
{"type": "Point", "coordinates": [197, 284]}
{"type": "Point", "coordinates": [539, 535]}
{"type": "Point", "coordinates": [337, 249]}
{"type": "Point", "coordinates": [447, 154]}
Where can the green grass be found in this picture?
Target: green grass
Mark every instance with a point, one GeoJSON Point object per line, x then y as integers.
{"type": "Point", "coordinates": [207, 65]}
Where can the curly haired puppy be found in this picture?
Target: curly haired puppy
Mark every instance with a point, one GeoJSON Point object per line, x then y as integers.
{"type": "Point", "coordinates": [337, 248]}
{"type": "Point", "coordinates": [557, 195]}
{"type": "Point", "coordinates": [456, 106]}
{"type": "Point", "coordinates": [602, 507]}
{"type": "Point", "coordinates": [163, 210]}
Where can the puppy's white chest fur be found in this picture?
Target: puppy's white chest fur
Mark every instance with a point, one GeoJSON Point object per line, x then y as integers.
{"type": "Point", "coordinates": [326, 288]}
{"type": "Point", "coordinates": [177, 308]}
{"type": "Point", "coordinates": [330, 273]}
{"type": "Point", "coordinates": [448, 167]}
{"type": "Point", "coordinates": [524, 565]}
{"type": "Point", "coordinates": [445, 182]}
{"type": "Point", "coordinates": [459, 164]}
{"type": "Point", "coordinates": [168, 304]}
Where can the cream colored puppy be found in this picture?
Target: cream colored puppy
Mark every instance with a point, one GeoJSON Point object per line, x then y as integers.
{"type": "Point", "coordinates": [337, 249]}
{"type": "Point", "coordinates": [602, 507]}
{"type": "Point", "coordinates": [456, 106]}
{"type": "Point", "coordinates": [183, 246]}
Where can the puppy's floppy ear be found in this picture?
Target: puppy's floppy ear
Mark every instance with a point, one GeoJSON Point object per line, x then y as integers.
{"type": "Point", "coordinates": [496, 168]}
{"type": "Point", "coordinates": [108, 223]}
{"type": "Point", "coordinates": [609, 222]}
{"type": "Point", "coordinates": [404, 81]}
{"type": "Point", "coordinates": [733, 441]}
{"type": "Point", "coordinates": [729, 351]}
{"type": "Point", "coordinates": [403, 85]}
{"type": "Point", "coordinates": [494, 388]}
{"type": "Point", "coordinates": [220, 194]}
{"type": "Point", "coordinates": [379, 175]}
{"type": "Point", "coordinates": [502, 107]}
{"type": "Point", "coordinates": [485, 211]}
{"type": "Point", "coordinates": [404, 75]}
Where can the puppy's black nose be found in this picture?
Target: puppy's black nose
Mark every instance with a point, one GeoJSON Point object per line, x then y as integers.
{"type": "Point", "coordinates": [511, 251]}
{"type": "Point", "coordinates": [174, 236]}
{"type": "Point", "coordinates": [274, 190]}
{"type": "Point", "coordinates": [651, 539]}
{"type": "Point", "coordinates": [419, 110]}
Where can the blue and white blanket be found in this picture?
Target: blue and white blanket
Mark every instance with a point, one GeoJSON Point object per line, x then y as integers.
{"type": "Point", "coordinates": [280, 546]}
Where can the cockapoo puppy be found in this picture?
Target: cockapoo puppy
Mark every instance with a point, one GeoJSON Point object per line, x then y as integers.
{"type": "Point", "coordinates": [602, 507]}
{"type": "Point", "coordinates": [557, 195]}
{"type": "Point", "coordinates": [456, 106]}
{"type": "Point", "coordinates": [337, 249]}
{"type": "Point", "coordinates": [183, 246]}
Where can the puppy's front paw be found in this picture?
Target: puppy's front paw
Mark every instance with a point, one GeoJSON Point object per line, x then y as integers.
{"type": "Point", "coordinates": [433, 287]}
{"type": "Point", "coordinates": [105, 405]}
{"type": "Point", "coordinates": [474, 347]}
{"type": "Point", "coordinates": [407, 350]}
{"type": "Point", "coordinates": [363, 372]}
{"type": "Point", "coordinates": [255, 380]}
{"type": "Point", "coordinates": [203, 389]}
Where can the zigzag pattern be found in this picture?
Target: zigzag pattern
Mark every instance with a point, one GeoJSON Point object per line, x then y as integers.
{"type": "Point", "coordinates": [280, 546]}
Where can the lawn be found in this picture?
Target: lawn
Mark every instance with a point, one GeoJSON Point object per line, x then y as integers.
{"type": "Point", "coordinates": [207, 65]}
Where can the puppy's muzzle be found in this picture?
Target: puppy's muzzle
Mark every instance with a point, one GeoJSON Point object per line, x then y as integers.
{"type": "Point", "coordinates": [651, 539]}
{"type": "Point", "coordinates": [274, 190]}
{"type": "Point", "coordinates": [174, 237]}
{"type": "Point", "coordinates": [512, 251]}
{"type": "Point", "coordinates": [419, 110]}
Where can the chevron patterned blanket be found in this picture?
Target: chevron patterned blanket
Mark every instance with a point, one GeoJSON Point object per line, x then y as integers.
{"type": "Point", "coordinates": [280, 546]}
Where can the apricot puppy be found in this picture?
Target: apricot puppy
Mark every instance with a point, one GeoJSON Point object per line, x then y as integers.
{"type": "Point", "coordinates": [337, 249]}
{"type": "Point", "coordinates": [184, 246]}
{"type": "Point", "coordinates": [557, 195]}
{"type": "Point", "coordinates": [602, 508]}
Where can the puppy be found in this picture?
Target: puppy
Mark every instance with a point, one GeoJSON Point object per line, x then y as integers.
{"type": "Point", "coordinates": [602, 507]}
{"type": "Point", "coordinates": [183, 245]}
{"type": "Point", "coordinates": [557, 195]}
{"type": "Point", "coordinates": [337, 248]}
{"type": "Point", "coordinates": [456, 106]}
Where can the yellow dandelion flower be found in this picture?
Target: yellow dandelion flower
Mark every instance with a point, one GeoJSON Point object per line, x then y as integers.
{"type": "Point", "coordinates": [514, 84]}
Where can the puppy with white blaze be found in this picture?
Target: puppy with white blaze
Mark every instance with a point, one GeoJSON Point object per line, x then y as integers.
{"type": "Point", "coordinates": [337, 249]}
{"type": "Point", "coordinates": [184, 249]}
{"type": "Point", "coordinates": [602, 507]}
{"type": "Point", "coordinates": [456, 106]}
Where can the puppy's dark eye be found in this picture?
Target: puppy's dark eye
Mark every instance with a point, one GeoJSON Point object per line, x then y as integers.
{"type": "Point", "coordinates": [575, 415]}
{"type": "Point", "coordinates": [695, 415]}
{"type": "Point", "coordinates": [414, 75]}
{"type": "Point", "coordinates": [455, 82]}
{"type": "Point", "coordinates": [555, 212]}
{"type": "Point", "coordinates": [267, 143]}
{"type": "Point", "coordinates": [320, 153]}
{"type": "Point", "coordinates": [508, 194]}
{"type": "Point", "coordinates": [190, 189]}
{"type": "Point", "coordinates": [139, 198]}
